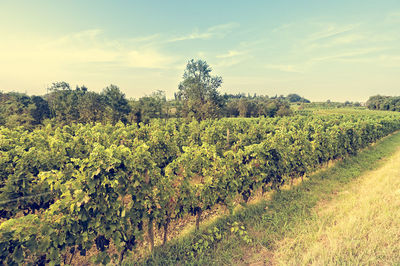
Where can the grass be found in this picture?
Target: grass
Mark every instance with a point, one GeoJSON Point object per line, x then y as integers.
{"type": "Point", "coordinates": [273, 224]}
{"type": "Point", "coordinates": [361, 225]}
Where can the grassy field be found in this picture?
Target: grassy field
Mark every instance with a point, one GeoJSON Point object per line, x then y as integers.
{"type": "Point", "coordinates": [294, 225]}
{"type": "Point", "coordinates": [361, 225]}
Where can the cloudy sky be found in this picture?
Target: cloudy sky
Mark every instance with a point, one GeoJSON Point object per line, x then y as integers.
{"type": "Point", "coordinates": [338, 50]}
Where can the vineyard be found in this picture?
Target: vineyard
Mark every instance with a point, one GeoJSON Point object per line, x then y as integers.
{"type": "Point", "coordinates": [78, 188]}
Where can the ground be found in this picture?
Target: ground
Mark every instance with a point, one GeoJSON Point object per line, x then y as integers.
{"type": "Point", "coordinates": [360, 225]}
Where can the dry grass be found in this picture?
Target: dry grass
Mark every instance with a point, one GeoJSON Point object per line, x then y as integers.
{"type": "Point", "coordinates": [361, 225]}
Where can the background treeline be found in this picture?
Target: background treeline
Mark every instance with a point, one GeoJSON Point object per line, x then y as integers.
{"type": "Point", "coordinates": [387, 103]}
{"type": "Point", "coordinates": [197, 98]}
{"type": "Point", "coordinates": [329, 104]}
{"type": "Point", "coordinates": [63, 105]}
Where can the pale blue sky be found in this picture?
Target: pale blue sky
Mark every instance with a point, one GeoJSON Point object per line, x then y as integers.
{"type": "Point", "coordinates": [338, 50]}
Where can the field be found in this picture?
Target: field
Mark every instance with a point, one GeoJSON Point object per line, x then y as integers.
{"type": "Point", "coordinates": [225, 191]}
{"type": "Point", "coordinates": [199, 133]}
{"type": "Point", "coordinates": [358, 226]}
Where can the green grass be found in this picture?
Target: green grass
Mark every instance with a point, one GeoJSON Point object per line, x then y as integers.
{"type": "Point", "coordinates": [359, 226]}
{"type": "Point", "coordinates": [269, 221]}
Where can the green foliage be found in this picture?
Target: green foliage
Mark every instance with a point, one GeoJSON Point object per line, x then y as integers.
{"type": "Point", "coordinates": [293, 98]}
{"type": "Point", "coordinates": [256, 107]}
{"type": "Point", "coordinates": [240, 231]}
{"type": "Point", "coordinates": [117, 105]}
{"type": "Point", "coordinates": [153, 106]}
{"type": "Point", "coordinates": [198, 98]}
{"type": "Point", "coordinates": [104, 182]}
{"type": "Point", "coordinates": [41, 110]}
{"type": "Point", "coordinates": [198, 92]}
{"type": "Point", "coordinates": [205, 241]}
{"type": "Point", "coordinates": [16, 109]}
{"type": "Point", "coordinates": [387, 103]}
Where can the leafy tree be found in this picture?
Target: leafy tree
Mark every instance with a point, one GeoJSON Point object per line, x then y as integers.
{"type": "Point", "coordinates": [389, 103]}
{"type": "Point", "coordinates": [64, 102]}
{"type": "Point", "coordinates": [117, 105]}
{"type": "Point", "coordinates": [198, 92]}
{"type": "Point", "coordinates": [91, 107]}
{"type": "Point", "coordinates": [41, 111]}
{"type": "Point", "coordinates": [15, 110]}
{"type": "Point", "coordinates": [153, 106]}
{"type": "Point", "coordinates": [294, 98]}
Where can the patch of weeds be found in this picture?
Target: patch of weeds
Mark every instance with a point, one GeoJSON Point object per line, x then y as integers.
{"type": "Point", "coordinates": [240, 231]}
{"type": "Point", "coordinates": [204, 242]}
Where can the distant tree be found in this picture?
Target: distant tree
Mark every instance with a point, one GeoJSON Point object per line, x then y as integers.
{"type": "Point", "coordinates": [271, 109]}
{"type": "Point", "coordinates": [41, 110]}
{"type": "Point", "coordinates": [284, 110]}
{"type": "Point", "coordinates": [247, 107]}
{"type": "Point", "coordinates": [375, 102]}
{"type": "Point", "coordinates": [198, 92]}
{"type": "Point", "coordinates": [153, 106]}
{"type": "Point", "coordinates": [117, 105]}
{"type": "Point", "coordinates": [92, 107]}
{"type": "Point", "coordinates": [63, 103]}
{"type": "Point", "coordinates": [15, 110]}
{"type": "Point", "coordinates": [135, 115]}
{"type": "Point", "coordinates": [61, 85]}
{"type": "Point", "coordinates": [388, 103]}
{"type": "Point", "coordinates": [244, 107]}
{"type": "Point", "coordinates": [294, 98]}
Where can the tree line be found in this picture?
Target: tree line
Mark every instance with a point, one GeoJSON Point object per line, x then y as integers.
{"type": "Point", "coordinates": [386, 103]}
{"type": "Point", "coordinates": [197, 98]}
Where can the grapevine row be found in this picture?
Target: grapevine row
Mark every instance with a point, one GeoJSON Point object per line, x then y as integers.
{"type": "Point", "coordinates": [102, 185]}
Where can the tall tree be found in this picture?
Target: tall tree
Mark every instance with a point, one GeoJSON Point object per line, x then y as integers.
{"type": "Point", "coordinates": [153, 106]}
{"type": "Point", "coordinates": [91, 107]}
{"type": "Point", "coordinates": [64, 102]}
{"type": "Point", "coordinates": [198, 92]}
{"type": "Point", "coordinates": [15, 110]}
{"type": "Point", "coordinates": [117, 104]}
{"type": "Point", "coordinates": [41, 110]}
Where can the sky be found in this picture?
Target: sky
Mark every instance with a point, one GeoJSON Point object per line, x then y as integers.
{"type": "Point", "coordinates": [337, 50]}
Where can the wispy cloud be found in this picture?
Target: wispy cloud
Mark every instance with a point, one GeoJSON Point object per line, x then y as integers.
{"type": "Point", "coordinates": [231, 53]}
{"type": "Point", "coordinates": [85, 37]}
{"type": "Point", "coordinates": [330, 31]}
{"type": "Point", "coordinates": [147, 59]}
{"type": "Point", "coordinates": [232, 57]}
{"type": "Point", "coordinates": [393, 17]}
{"type": "Point", "coordinates": [341, 40]}
{"type": "Point", "coordinates": [348, 54]}
{"type": "Point", "coordinates": [284, 68]}
{"type": "Point", "coordinates": [93, 51]}
{"type": "Point", "coordinates": [390, 61]}
{"type": "Point", "coordinates": [229, 62]}
{"type": "Point", "coordinates": [147, 38]}
{"type": "Point", "coordinates": [88, 47]}
{"type": "Point", "coordinates": [217, 31]}
{"type": "Point", "coordinates": [384, 60]}
{"type": "Point", "coordinates": [372, 54]}
{"type": "Point", "coordinates": [282, 27]}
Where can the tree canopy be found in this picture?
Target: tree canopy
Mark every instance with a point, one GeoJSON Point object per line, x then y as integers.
{"type": "Point", "coordinates": [198, 92]}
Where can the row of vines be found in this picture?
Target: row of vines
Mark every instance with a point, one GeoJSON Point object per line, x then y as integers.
{"type": "Point", "coordinates": [68, 190]}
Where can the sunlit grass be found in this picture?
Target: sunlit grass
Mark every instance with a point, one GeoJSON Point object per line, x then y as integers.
{"type": "Point", "coordinates": [361, 225]}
